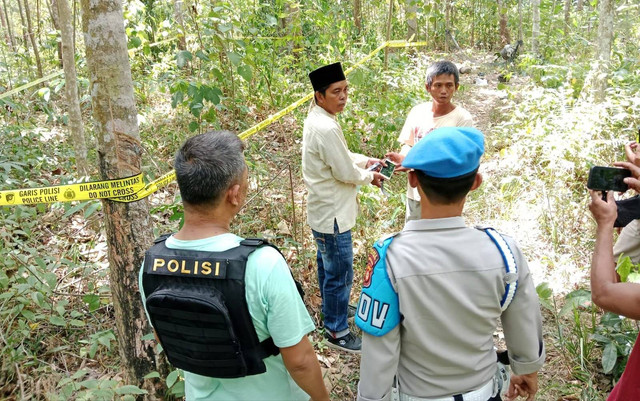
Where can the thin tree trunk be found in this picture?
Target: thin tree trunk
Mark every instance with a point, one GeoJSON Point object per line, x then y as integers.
{"type": "Point", "coordinates": [605, 38]}
{"type": "Point", "coordinates": [25, 40]}
{"type": "Point", "coordinates": [128, 226]}
{"type": "Point", "coordinates": [357, 15]}
{"type": "Point", "coordinates": [12, 44]}
{"type": "Point", "coordinates": [535, 29]}
{"type": "Point", "coordinates": [36, 52]}
{"type": "Point", "coordinates": [567, 15]}
{"type": "Point", "coordinates": [446, 24]}
{"type": "Point", "coordinates": [71, 86]}
{"type": "Point", "coordinates": [411, 12]}
{"type": "Point", "coordinates": [505, 36]}
{"type": "Point", "coordinates": [53, 12]}
{"type": "Point", "coordinates": [3, 20]}
{"type": "Point", "coordinates": [520, 34]}
{"type": "Point", "coordinates": [473, 23]}
{"type": "Point", "coordinates": [389, 19]}
{"type": "Point", "coordinates": [579, 6]}
{"type": "Point", "coordinates": [178, 12]}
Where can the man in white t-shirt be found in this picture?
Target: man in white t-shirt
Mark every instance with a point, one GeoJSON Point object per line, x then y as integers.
{"type": "Point", "coordinates": [441, 82]}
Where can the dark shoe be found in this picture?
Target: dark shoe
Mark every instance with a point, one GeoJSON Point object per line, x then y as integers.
{"type": "Point", "coordinates": [347, 343]}
{"type": "Point", "coordinates": [351, 311]}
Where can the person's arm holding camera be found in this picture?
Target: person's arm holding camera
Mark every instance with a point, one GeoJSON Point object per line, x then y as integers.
{"type": "Point", "coordinates": [606, 290]}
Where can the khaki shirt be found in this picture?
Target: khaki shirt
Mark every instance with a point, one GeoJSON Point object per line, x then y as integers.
{"type": "Point", "coordinates": [420, 122]}
{"type": "Point", "coordinates": [449, 280]}
{"type": "Point", "coordinates": [331, 173]}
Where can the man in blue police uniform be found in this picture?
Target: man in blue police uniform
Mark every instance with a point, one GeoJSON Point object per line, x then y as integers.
{"type": "Point", "coordinates": [433, 293]}
{"type": "Point", "coordinates": [226, 310]}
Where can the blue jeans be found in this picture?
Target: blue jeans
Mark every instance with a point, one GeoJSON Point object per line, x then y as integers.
{"type": "Point", "coordinates": [335, 276]}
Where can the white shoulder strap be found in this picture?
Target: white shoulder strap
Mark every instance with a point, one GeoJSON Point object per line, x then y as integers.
{"type": "Point", "coordinates": [511, 277]}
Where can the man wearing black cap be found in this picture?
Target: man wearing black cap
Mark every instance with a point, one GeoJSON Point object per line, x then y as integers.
{"type": "Point", "coordinates": [433, 293]}
{"type": "Point", "coordinates": [332, 175]}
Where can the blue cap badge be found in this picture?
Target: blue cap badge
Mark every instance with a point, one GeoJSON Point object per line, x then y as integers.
{"type": "Point", "coordinates": [447, 152]}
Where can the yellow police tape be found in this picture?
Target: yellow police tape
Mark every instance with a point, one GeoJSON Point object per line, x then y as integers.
{"type": "Point", "coordinates": [121, 188]}
{"type": "Point", "coordinates": [132, 188]}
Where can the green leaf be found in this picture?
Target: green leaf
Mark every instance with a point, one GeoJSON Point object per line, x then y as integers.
{"type": "Point", "coordinates": [152, 375]}
{"type": "Point", "coordinates": [92, 208]}
{"type": "Point", "coordinates": [211, 94]}
{"type": "Point", "coordinates": [28, 314]}
{"type": "Point", "coordinates": [575, 300]}
{"type": "Point", "coordinates": [182, 57]}
{"type": "Point", "coordinates": [172, 378]}
{"type": "Point", "coordinates": [193, 126]}
{"type": "Point", "coordinates": [245, 72]}
{"type": "Point", "coordinates": [77, 323]}
{"type": "Point", "coordinates": [202, 55]}
{"type": "Point", "coordinates": [543, 290]}
{"type": "Point", "coordinates": [57, 321]}
{"type": "Point", "coordinates": [148, 337]}
{"type": "Point", "coordinates": [624, 267]}
{"type": "Point", "coordinates": [130, 389]}
{"type": "Point", "coordinates": [234, 57]}
{"type": "Point", "coordinates": [176, 98]}
{"type": "Point", "coordinates": [178, 389]}
{"type": "Point", "coordinates": [92, 300]}
{"type": "Point", "coordinates": [609, 357]}
{"type": "Point", "coordinates": [44, 93]}
{"type": "Point", "coordinates": [196, 109]}
{"type": "Point", "coordinates": [134, 42]}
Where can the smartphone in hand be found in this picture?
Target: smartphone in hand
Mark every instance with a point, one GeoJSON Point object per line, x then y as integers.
{"type": "Point", "coordinates": [608, 179]}
{"type": "Point", "coordinates": [387, 171]}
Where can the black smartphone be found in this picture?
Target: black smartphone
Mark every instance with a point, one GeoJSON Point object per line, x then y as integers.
{"type": "Point", "coordinates": [608, 179]}
{"type": "Point", "coordinates": [388, 170]}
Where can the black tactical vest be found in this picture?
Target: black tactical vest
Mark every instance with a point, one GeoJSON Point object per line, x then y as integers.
{"type": "Point", "coordinates": [197, 306]}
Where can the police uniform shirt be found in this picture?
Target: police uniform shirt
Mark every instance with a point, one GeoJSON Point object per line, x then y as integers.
{"type": "Point", "coordinates": [449, 290]}
{"type": "Point", "coordinates": [331, 173]}
{"type": "Point", "coordinates": [276, 310]}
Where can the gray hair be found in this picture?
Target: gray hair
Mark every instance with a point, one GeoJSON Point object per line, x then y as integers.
{"type": "Point", "coordinates": [207, 165]}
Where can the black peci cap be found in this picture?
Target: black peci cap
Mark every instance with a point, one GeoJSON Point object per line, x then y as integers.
{"type": "Point", "coordinates": [325, 76]}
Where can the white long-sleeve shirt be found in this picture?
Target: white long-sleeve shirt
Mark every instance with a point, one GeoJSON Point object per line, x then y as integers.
{"type": "Point", "coordinates": [331, 173]}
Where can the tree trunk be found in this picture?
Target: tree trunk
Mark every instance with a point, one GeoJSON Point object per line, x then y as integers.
{"type": "Point", "coordinates": [25, 40]}
{"type": "Point", "coordinates": [535, 28]}
{"type": "Point", "coordinates": [579, 5]}
{"type": "Point", "coordinates": [178, 12]}
{"type": "Point", "coordinates": [505, 36]}
{"type": "Point", "coordinates": [36, 52]}
{"type": "Point", "coordinates": [520, 34]}
{"type": "Point", "coordinates": [128, 226]}
{"type": "Point", "coordinates": [605, 37]}
{"type": "Point", "coordinates": [357, 15]}
{"type": "Point", "coordinates": [446, 24]}
{"type": "Point", "coordinates": [12, 44]}
{"type": "Point", "coordinates": [71, 87]}
{"type": "Point", "coordinates": [411, 12]}
{"type": "Point", "coordinates": [5, 30]}
{"type": "Point", "coordinates": [53, 11]}
{"type": "Point", "coordinates": [389, 19]}
{"type": "Point", "coordinates": [567, 15]}
{"type": "Point", "coordinates": [473, 23]}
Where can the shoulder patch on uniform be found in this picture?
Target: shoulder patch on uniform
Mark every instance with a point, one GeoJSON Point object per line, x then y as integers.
{"type": "Point", "coordinates": [378, 308]}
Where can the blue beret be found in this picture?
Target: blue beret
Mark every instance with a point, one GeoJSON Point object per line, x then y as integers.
{"type": "Point", "coordinates": [447, 152]}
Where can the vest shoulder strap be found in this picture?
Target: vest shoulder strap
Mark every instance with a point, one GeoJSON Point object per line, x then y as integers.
{"type": "Point", "coordinates": [511, 267]}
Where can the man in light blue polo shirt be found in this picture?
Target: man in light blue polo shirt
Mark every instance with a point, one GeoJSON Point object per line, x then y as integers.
{"type": "Point", "coordinates": [212, 176]}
